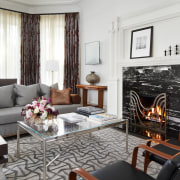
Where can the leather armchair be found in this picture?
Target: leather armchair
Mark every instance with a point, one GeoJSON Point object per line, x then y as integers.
{"type": "Point", "coordinates": [122, 170]}
{"type": "Point", "coordinates": [170, 147]}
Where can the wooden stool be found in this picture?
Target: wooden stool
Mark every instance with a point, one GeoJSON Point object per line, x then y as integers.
{"type": "Point", "coordinates": [3, 156]}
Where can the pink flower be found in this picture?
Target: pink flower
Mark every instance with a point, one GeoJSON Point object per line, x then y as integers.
{"type": "Point", "coordinates": [43, 102]}
{"type": "Point", "coordinates": [29, 113]}
{"type": "Point", "coordinates": [34, 103]}
{"type": "Point", "coordinates": [28, 105]}
{"type": "Point", "coordinates": [41, 107]}
{"type": "Point", "coordinates": [52, 108]}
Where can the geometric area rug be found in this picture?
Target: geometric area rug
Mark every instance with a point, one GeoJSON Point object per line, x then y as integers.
{"type": "Point", "coordinates": [91, 153]}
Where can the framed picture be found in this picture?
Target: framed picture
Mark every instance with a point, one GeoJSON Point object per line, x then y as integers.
{"type": "Point", "coordinates": [141, 43]}
{"type": "Point", "coordinates": [92, 53]}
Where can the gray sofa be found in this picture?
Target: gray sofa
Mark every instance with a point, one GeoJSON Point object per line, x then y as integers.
{"type": "Point", "coordinates": [14, 97]}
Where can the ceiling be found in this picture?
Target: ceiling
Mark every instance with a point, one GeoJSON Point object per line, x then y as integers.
{"type": "Point", "coordinates": [44, 2]}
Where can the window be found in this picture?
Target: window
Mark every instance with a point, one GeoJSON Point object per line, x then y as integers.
{"type": "Point", "coordinates": [10, 42]}
{"type": "Point", "coordinates": [52, 47]}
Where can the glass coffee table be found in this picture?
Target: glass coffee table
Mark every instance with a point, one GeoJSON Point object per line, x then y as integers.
{"type": "Point", "coordinates": [58, 129]}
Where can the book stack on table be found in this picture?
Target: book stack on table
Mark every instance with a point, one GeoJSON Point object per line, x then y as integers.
{"type": "Point", "coordinates": [89, 110]}
{"type": "Point", "coordinates": [103, 118]}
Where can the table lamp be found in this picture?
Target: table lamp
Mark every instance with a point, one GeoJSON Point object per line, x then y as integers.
{"type": "Point", "coordinates": [52, 66]}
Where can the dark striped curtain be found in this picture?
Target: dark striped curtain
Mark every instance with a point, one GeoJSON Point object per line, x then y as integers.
{"type": "Point", "coordinates": [71, 64]}
{"type": "Point", "coordinates": [30, 49]}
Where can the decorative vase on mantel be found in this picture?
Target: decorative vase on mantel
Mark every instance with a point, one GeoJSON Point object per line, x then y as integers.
{"type": "Point", "coordinates": [92, 78]}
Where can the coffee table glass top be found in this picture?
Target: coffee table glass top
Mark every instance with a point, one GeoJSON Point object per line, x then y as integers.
{"type": "Point", "coordinates": [58, 127]}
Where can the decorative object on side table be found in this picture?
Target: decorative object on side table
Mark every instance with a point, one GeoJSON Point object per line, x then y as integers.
{"type": "Point", "coordinates": [39, 110]}
{"type": "Point", "coordinates": [141, 43]}
{"type": "Point", "coordinates": [92, 78]}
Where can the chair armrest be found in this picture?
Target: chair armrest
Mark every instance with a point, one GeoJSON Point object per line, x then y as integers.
{"type": "Point", "coordinates": [164, 143]}
{"type": "Point", "coordinates": [149, 150]}
{"type": "Point", "coordinates": [82, 173]}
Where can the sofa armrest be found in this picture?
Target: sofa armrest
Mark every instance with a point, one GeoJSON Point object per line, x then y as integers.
{"type": "Point", "coordinates": [75, 98]}
{"type": "Point", "coordinates": [82, 173]}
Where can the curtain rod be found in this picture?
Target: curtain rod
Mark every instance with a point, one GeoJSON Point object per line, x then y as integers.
{"type": "Point", "coordinates": [36, 14]}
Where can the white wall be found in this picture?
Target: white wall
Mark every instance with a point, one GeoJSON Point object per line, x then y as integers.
{"type": "Point", "coordinates": [96, 18]}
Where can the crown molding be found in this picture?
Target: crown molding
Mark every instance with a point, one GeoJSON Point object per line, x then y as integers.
{"type": "Point", "coordinates": [151, 15]}
{"type": "Point", "coordinates": [44, 2]}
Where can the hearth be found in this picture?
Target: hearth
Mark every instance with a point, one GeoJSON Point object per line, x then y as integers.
{"type": "Point", "coordinates": [148, 114]}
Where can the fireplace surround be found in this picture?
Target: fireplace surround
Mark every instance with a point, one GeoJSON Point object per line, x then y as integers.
{"type": "Point", "coordinates": [150, 81]}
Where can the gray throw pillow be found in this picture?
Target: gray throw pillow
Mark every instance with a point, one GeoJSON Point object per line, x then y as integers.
{"type": "Point", "coordinates": [26, 94]}
{"type": "Point", "coordinates": [45, 90]}
{"type": "Point", "coordinates": [6, 96]}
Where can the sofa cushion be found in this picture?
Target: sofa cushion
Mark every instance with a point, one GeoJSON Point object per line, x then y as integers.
{"type": "Point", "coordinates": [67, 108]}
{"type": "Point", "coordinates": [6, 96]}
{"type": "Point", "coordinates": [45, 90]}
{"type": "Point", "coordinates": [75, 98]}
{"type": "Point", "coordinates": [60, 96]}
{"type": "Point", "coordinates": [10, 115]}
{"type": "Point", "coordinates": [26, 94]}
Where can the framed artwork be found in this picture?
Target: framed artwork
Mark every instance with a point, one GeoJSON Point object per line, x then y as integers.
{"type": "Point", "coordinates": [141, 43]}
{"type": "Point", "coordinates": [92, 53]}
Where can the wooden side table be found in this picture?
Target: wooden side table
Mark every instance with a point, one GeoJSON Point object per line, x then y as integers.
{"type": "Point", "coordinates": [92, 87]}
{"type": "Point", "coordinates": [3, 156]}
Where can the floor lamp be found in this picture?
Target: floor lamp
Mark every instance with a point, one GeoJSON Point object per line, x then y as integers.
{"type": "Point", "coordinates": [52, 66]}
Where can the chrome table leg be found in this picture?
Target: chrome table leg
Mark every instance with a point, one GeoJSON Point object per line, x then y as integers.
{"type": "Point", "coordinates": [127, 136]}
{"type": "Point", "coordinates": [18, 141]}
{"type": "Point", "coordinates": [45, 167]}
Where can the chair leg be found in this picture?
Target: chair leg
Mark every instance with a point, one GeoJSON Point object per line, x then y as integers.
{"type": "Point", "coordinates": [146, 161]}
{"type": "Point", "coordinates": [179, 137]}
{"type": "Point", "coordinates": [146, 164]}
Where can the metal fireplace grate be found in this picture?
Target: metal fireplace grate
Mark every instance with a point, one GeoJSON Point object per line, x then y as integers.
{"type": "Point", "coordinates": [150, 118]}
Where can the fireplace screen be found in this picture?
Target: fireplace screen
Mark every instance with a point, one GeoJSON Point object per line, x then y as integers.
{"type": "Point", "coordinates": [148, 114]}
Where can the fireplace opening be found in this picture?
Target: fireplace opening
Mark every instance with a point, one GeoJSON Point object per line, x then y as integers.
{"type": "Point", "coordinates": [148, 115]}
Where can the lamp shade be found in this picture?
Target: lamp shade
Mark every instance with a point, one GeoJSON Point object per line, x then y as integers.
{"type": "Point", "coordinates": [52, 65]}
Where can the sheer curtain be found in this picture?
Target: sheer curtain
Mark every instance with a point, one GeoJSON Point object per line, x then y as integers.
{"type": "Point", "coordinates": [10, 42]}
{"type": "Point", "coordinates": [52, 47]}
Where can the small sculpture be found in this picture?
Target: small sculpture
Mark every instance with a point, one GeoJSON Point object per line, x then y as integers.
{"type": "Point", "coordinates": [176, 50]}
{"type": "Point", "coordinates": [170, 50]}
{"type": "Point", "coordinates": [165, 52]}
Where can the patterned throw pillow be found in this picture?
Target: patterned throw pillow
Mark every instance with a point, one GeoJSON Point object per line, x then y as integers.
{"type": "Point", "coordinates": [60, 96]}
{"type": "Point", "coordinates": [45, 90]}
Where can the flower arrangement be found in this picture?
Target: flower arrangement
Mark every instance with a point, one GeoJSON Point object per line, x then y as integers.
{"type": "Point", "coordinates": [40, 109]}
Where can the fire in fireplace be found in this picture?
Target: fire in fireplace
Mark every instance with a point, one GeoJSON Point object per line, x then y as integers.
{"type": "Point", "coordinates": [148, 115]}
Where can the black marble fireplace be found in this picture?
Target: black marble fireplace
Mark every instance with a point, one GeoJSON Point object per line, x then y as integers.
{"type": "Point", "coordinates": [148, 82]}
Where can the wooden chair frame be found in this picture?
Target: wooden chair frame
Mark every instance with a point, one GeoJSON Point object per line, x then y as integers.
{"type": "Point", "coordinates": [87, 176]}
{"type": "Point", "coordinates": [165, 143]}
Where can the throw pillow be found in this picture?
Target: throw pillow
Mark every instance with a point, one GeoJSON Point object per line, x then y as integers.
{"type": "Point", "coordinates": [6, 96]}
{"type": "Point", "coordinates": [26, 94]}
{"type": "Point", "coordinates": [45, 90]}
{"type": "Point", "coordinates": [75, 98]}
{"type": "Point", "coordinates": [60, 96]}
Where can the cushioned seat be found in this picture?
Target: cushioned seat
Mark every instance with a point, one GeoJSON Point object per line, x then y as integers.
{"type": "Point", "coordinates": [10, 115]}
{"type": "Point", "coordinates": [120, 169]}
{"type": "Point", "coordinates": [66, 108]}
{"type": "Point", "coordinates": [164, 149]}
